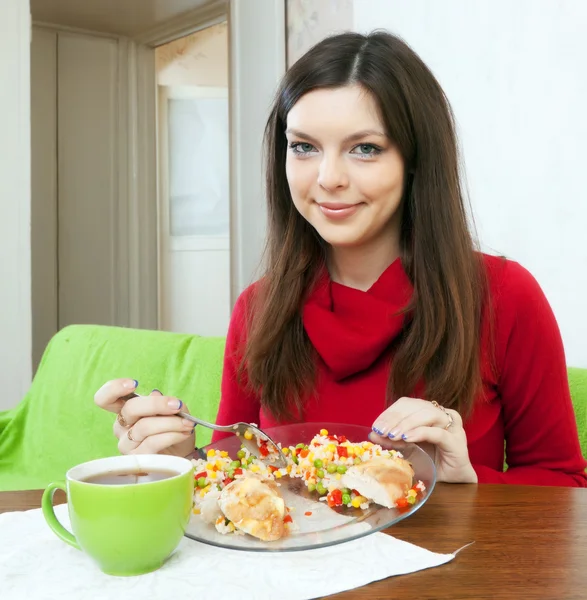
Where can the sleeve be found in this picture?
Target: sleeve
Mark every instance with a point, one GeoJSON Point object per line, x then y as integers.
{"type": "Point", "coordinates": [237, 403]}
{"type": "Point", "coordinates": [542, 444]}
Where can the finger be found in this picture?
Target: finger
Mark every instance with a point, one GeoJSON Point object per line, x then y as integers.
{"type": "Point", "coordinates": [157, 443]}
{"type": "Point", "coordinates": [429, 417]}
{"type": "Point", "coordinates": [147, 426]}
{"type": "Point", "coordinates": [387, 443]}
{"type": "Point", "coordinates": [433, 435]}
{"type": "Point", "coordinates": [149, 406]}
{"type": "Point", "coordinates": [109, 396]}
{"type": "Point", "coordinates": [388, 421]}
{"type": "Point", "coordinates": [130, 439]}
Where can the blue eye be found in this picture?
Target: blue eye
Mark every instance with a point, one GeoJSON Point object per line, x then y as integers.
{"type": "Point", "coordinates": [366, 150]}
{"type": "Point", "coordinates": [301, 147]}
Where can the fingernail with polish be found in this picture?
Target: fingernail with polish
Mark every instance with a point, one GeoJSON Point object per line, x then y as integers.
{"type": "Point", "coordinates": [175, 404]}
{"type": "Point", "coordinates": [132, 384]}
{"type": "Point", "coordinates": [156, 390]}
{"type": "Point", "coordinates": [404, 437]}
{"type": "Point", "coordinates": [391, 435]}
{"type": "Point", "coordinates": [377, 431]}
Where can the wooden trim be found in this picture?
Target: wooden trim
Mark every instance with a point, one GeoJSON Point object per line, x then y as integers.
{"type": "Point", "coordinates": [139, 212]}
{"type": "Point", "coordinates": [257, 62]}
{"type": "Point", "coordinates": [211, 13]}
{"type": "Point", "coordinates": [67, 29]}
{"type": "Point", "coordinates": [123, 171]}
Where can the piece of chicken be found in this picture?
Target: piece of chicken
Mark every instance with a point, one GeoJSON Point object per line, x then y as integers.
{"type": "Point", "coordinates": [383, 480]}
{"type": "Point", "coordinates": [255, 506]}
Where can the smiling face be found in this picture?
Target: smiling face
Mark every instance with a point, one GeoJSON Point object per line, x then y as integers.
{"type": "Point", "coordinates": [345, 176]}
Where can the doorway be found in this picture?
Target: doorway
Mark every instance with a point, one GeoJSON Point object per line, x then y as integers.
{"type": "Point", "coordinates": [194, 176]}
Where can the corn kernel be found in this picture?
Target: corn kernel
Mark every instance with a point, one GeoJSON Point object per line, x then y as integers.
{"type": "Point", "coordinates": [231, 526]}
{"type": "Point", "coordinates": [288, 469]}
{"type": "Point", "coordinates": [331, 448]}
{"type": "Point", "coordinates": [311, 457]}
{"type": "Point", "coordinates": [218, 464]}
{"type": "Point", "coordinates": [324, 432]}
{"type": "Point", "coordinates": [350, 450]}
{"type": "Point", "coordinates": [211, 452]}
{"type": "Point", "coordinates": [285, 450]}
{"type": "Point", "coordinates": [412, 493]}
{"type": "Point", "coordinates": [277, 475]}
{"type": "Point", "coordinates": [212, 475]}
{"type": "Point", "coordinates": [311, 481]}
{"type": "Point", "coordinates": [248, 435]}
{"type": "Point", "coordinates": [356, 502]}
{"type": "Point", "coordinates": [224, 453]}
{"type": "Point", "coordinates": [209, 466]}
{"type": "Point", "coordinates": [254, 469]}
{"type": "Point", "coordinates": [338, 476]}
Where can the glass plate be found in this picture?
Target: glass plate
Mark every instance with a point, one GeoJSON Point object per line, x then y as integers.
{"type": "Point", "coordinates": [326, 526]}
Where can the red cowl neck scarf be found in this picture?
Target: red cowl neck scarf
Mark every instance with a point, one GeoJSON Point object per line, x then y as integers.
{"type": "Point", "coordinates": [350, 329]}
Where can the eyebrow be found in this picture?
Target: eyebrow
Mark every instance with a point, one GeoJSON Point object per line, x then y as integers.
{"type": "Point", "coordinates": [350, 138]}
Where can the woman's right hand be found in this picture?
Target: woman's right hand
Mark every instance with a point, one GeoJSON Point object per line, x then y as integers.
{"type": "Point", "coordinates": [146, 424]}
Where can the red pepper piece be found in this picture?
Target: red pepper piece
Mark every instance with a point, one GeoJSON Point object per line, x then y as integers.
{"type": "Point", "coordinates": [238, 471]}
{"type": "Point", "coordinates": [287, 519]}
{"type": "Point", "coordinates": [202, 474]}
{"type": "Point", "coordinates": [337, 497]}
{"type": "Point", "coordinates": [342, 451]}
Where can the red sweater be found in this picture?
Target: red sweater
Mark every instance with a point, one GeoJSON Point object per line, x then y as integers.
{"type": "Point", "coordinates": [526, 400]}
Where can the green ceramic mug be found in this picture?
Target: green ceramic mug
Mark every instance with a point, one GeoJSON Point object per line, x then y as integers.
{"type": "Point", "coordinates": [128, 513]}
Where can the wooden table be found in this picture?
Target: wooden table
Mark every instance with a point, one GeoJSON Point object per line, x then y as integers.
{"type": "Point", "coordinates": [530, 542]}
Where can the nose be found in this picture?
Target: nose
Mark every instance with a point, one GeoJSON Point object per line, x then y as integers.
{"type": "Point", "coordinates": [332, 174]}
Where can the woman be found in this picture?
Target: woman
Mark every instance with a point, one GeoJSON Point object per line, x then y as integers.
{"type": "Point", "coordinates": [375, 308]}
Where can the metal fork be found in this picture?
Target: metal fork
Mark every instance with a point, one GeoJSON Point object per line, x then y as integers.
{"type": "Point", "coordinates": [239, 429]}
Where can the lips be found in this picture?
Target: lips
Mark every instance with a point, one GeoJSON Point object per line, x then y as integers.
{"type": "Point", "coordinates": [338, 210]}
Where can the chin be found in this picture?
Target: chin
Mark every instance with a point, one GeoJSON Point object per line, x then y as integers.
{"type": "Point", "coordinates": [341, 239]}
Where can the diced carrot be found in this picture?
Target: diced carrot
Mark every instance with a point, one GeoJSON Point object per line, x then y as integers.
{"type": "Point", "coordinates": [308, 513]}
{"type": "Point", "coordinates": [287, 519]}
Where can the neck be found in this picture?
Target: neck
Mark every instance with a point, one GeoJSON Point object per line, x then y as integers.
{"type": "Point", "coordinates": [361, 267]}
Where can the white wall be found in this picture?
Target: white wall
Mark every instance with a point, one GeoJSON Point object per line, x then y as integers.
{"type": "Point", "coordinates": [15, 193]}
{"type": "Point", "coordinates": [516, 77]}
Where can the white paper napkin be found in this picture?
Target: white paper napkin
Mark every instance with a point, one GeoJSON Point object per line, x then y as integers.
{"type": "Point", "coordinates": [36, 565]}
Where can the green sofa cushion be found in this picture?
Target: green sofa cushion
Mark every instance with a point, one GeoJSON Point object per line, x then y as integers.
{"type": "Point", "coordinates": [578, 385]}
{"type": "Point", "coordinates": [57, 424]}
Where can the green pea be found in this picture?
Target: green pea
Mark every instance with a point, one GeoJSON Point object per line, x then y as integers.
{"type": "Point", "coordinates": [341, 469]}
{"type": "Point", "coordinates": [231, 473]}
{"type": "Point", "coordinates": [321, 489]}
{"type": "Point", "coordinates": [320, 473]}
{"type": "Point", "coordinates": [235, 464]}
{"type": "Point", "coordinates": [244, 463]}
{"type": "Point", "coordinates": [241, 454]}
{"type": "Point", "coordinates": [300, 446]}
{"type": "Point", "coordinates": [331, 469]}
{"type": "Point", "coordinates": [357, 460]}
{"type": "Point", "coordinates": [251, 459]}
{"type": "Point", "coordinates": [346, 491]}
{"type": "Point", "coordinates": [346, 499]}
{"type": "Point", "coordinates": [311, 487]}
{"type": "Point", "coordinates": [295, 459]}
{"type": "Point", "coordinates": [202, 482]}
{"type": "Point", "coordinates": [318, 463]}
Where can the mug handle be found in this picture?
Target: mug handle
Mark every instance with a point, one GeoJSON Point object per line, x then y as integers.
{"type": "Point", "coordinates": [49, 514]}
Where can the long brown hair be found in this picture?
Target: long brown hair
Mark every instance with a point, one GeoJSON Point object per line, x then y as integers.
{"type": "Point", "coordinates": [440, 344]}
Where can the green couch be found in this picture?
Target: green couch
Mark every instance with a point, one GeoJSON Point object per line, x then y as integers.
{"type": "Point", "coordinates": [57, 424]}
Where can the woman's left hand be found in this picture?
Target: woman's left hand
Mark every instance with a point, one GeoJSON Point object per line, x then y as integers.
{"type": "Point", "coordinates": [423, 423]}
